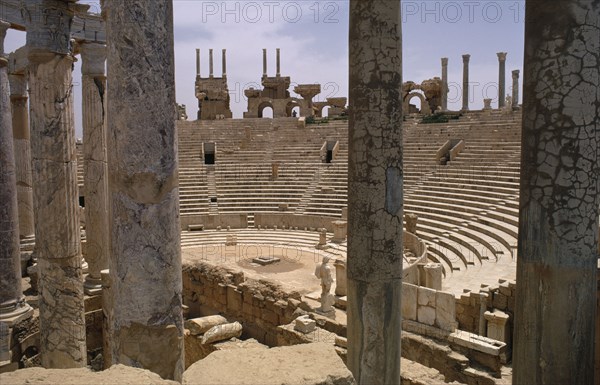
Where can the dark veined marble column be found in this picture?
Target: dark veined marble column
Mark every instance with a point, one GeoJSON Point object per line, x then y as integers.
{"type": "Point", "coordinates": [375, 180]}
{"type": "Point", "coordinates": [146, 322]}
{"type": "Point", "coordinates": [558, 216]}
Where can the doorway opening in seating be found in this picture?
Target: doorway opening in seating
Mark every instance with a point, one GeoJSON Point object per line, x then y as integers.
{"type": "Point", "coordinates": [209, 149]}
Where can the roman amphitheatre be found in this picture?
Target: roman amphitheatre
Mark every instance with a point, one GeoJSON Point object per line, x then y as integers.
{"type": "Point", "coordinates": [387, 240]}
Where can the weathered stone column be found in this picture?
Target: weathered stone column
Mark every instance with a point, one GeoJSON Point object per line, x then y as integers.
{"type": "Point", "coordinates": [145, 258]}
{"type": "Point", "coordinates": [444, 84]}
{"type": "Point", "coordinates": [278, 62]}
{"type": "Point", "coordinates": [224, 63]}
{"type": "Point", "coordinates": [13, 307]}
{"type": "Point", "coordinates": [558, 216]}
{"type": "Point", "coordinates": [211, 66]}
{"type": "Point", "coordinates": [465, 97]}
{"type": "Point", "coordinates": [93, 56]}
{"type": "Point", "coordinates": [375, 180]}
{"type": "Point", "coordinates": [501, 78]}
{"type": "Point", "coordinates": [55, 197]}
{"type": "Point", "coordinates": [20, 127]}
{"type": "Point", "coordinates": [197, 63]}
{"type": "Point", "coordinates": [264, 62]}
{"type": "Point", "coordinates": [515, 89]}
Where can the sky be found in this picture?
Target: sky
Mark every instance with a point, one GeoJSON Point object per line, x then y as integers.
{"type": "Point", "coordinates": [313, 37]}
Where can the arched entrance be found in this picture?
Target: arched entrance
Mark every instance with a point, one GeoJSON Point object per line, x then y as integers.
{"type": "Point", "coordinates": [421, 108]}
{"type": "Point", "coordinates": [265, 110]}
{"type": "Point", "coordinates": [291, 107]}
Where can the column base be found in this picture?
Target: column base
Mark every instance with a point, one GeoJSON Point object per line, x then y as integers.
{"type": "Point", "coordinates": [12, 315]}
{"type": "Point", "coordinates": [326, 313]}
{"type": "Point", "coordinates": [92, 286]}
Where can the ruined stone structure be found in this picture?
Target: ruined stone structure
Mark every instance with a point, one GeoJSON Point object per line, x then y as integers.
{"type": "Point", "coordinates": [212, 92]}
{"type": "Point", "coordinates": [338, 192]}
{"type": "Point", "coordinates": [429, 92]}
{"type": "Point", "coordinates": [275, 95]}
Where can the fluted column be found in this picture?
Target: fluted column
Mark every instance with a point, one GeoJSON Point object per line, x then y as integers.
{"type": "Point", "coordinates": [375, 181]}
{"type": "Point", "coordinates": [501, 78]}
{"type": "Point", "coordinates": [558, 206]}
{"type": "Point", "coordinates": [55, 195]}
{"type": "Point", "coordinates": [146, 323]}
{"type": "Point", "coordinates": [95, 167]}
{"type": "Point", "coordinates": [22, 145]}
{"type": "Point", "coordinates": [444, 84]}
{"type": "Point", "coordinates": [465, 97]}
{"type": "Point", "coordinates": [515, 89]}
{"type": "Point", "coordinates": [13, 307]}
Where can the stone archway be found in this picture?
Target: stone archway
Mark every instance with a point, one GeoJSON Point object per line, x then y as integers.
{"type": "Point", "coordinates": [425, 109]}
{"type": "Point", "coordinates": [289, 108]}
{"type": "Point", "coordinates": [262, 106]}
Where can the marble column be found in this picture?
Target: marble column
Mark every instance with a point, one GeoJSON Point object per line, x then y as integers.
{"type": "Point", "coordinates": [501, 79]}
{"type": "Point", "coordinates": [20, 127]}
{"type": "Point", "coordinates": [515, 89]}
{"type": "Point", "coordinates": [465, 97]}
{"type": "Point", "coordinates": [444, 84]}
{"type": "Point", "coordinates": [13, 307]}
{"type": "Point", "coordinates": [558, 213]}
{"type": "Point", "coordinates": [55, 195]}
{"type": "Point", "coordinates": [95, 168]}
{"type": "Point", "coordinates": [375, 180]}
{"type": "Point", "coordinates": [145, 260]}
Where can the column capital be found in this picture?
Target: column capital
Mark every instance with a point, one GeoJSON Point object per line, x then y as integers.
{"type": "Point", "coordinates": [4, 26]}
{"type": "Point", "coordinates": [502, 56]}
{"type": "Point", "coordinates": [49, 29]}
{"type": "Point", "coordinates": [444, 61]}
{"type": "Point", "coordinates": [93, 57]}
{"type": "Point", "coordinates": [466, 58]}
{"type": "Point", "coordinates": [515, 73]}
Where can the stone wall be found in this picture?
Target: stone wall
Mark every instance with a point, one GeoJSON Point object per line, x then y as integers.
{"type": "Point", "coordinates": [235, 221]}
{"type": "Point", "coordinates": [469, 309]}
{"type": "Point", "coordinates": [428, 306]}
{"type": "Point", "coordinates": [260, 306]}
{"type": "Point", "coordinates": [419, 249]}
{"type": "Point", "coordinates": [289, 219]}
